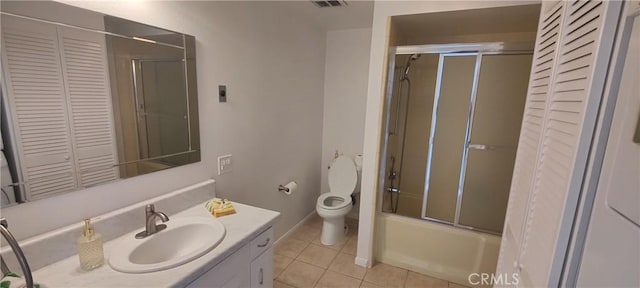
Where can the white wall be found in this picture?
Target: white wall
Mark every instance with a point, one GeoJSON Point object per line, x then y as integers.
{"type": "Point", "coordinates": [273, 66]}
{"type": "Point", "coordinates": [611, 255]}
{"type": "Point", "coordinates": [345, 93]}
{"type": "Point", "coordinates": [377, 71]}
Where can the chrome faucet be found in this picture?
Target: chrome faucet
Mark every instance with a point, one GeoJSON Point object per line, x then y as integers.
{"type": "Point", "coordinates": [150, 222]}
{"type": "Point", "coordinates": [22, 260]}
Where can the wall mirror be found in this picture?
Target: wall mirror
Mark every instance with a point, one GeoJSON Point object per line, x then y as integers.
{"type": "Point", "coordinates": [91, 99]}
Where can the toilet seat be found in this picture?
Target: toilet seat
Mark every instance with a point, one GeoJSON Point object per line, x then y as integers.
{"type": "Point", "coordinates": [343, 176]}
{"type": "Point", "coordinates": [346, 201]}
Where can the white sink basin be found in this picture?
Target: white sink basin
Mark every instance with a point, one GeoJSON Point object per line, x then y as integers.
{"type": "Point", "coordinates": [184, 240]}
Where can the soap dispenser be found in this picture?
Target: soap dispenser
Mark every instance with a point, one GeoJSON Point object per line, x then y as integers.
{"type": "Point", "coordinates": [90, 248]}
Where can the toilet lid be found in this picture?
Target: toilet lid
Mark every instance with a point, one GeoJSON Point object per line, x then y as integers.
{"type": "Point", "coordinates": [343, 176]}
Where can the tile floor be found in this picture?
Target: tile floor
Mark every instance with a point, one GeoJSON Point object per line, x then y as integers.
{"type": "Point", "coordinates": [301, 261]}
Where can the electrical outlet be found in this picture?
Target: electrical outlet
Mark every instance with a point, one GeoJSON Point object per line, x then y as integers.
{"type": "Point", "coordinates": [225, 164]}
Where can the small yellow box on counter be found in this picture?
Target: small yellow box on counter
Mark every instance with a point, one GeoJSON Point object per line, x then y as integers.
{"type": "Point", "coordinates": [220, 207]}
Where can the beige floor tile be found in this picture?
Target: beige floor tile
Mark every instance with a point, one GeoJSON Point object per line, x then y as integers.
{"type": "Point", "coordinates": [332, 279]}
{"type": "Point", "coordinates": [315, 221]}
{"type": "Point", "coordinates": [344, 264]}
{"type": "Point", "coordinates": [366, 284]}
{"type": "Point", "coordinates": [338, 246]}
{"type": "Point", "coordinates": [386, 275]}
{"type": "Point", "coordinates": [416, 280]}
{"type": "Point", "coordinates": [456, 285]}
{"type": "Point", "coordinates": [290, 247]}
{"type": "Point", "coordinates": [317, 255]}
{"type": "Point", "coordinates": [280, 263]}
{"type": "Point", "coordinates": [300, 274]}
{"type": "Point", "coordinates": [278, 284]}
{"type": "Point", "coordinates": [351, 246]}
{"type": "Point", "coordinates": [307, 232]}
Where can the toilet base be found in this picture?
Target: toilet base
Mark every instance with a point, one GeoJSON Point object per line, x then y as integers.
{"type": "Point", "coordinates": [333, 231]}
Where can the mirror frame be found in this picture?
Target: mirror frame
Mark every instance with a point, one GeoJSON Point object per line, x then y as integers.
{"type": "Point", "coordinates": [52, 13]}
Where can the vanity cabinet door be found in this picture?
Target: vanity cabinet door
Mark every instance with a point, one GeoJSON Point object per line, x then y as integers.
{"type": "Point", "coordinates": [230, 273]}
{"type": "Point", "coordinates": [262, 270]}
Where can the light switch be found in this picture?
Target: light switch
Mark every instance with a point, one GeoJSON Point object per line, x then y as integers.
{"type": "Point", "coordinates": [225, 164]}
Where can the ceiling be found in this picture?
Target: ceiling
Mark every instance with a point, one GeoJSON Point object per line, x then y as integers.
{"type": "Point", "coordinates": [512, 19]}
{"type": "Point", "coordinates": [356, 14]}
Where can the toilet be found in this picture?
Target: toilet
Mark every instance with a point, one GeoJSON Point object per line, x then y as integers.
{"type": "Point", "coordinates": [334, 205]}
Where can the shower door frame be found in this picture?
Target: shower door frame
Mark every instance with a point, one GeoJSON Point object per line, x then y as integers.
{"type": "Point", "coordinates": [140, 107]}
{"type": "Point", "coordinates": [448, 50]}
{"type": "Point", "coordinates": [432, 132]}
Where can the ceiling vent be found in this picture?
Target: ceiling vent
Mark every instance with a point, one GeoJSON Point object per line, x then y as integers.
{"type": "Point", "coordinates": [330, 3]}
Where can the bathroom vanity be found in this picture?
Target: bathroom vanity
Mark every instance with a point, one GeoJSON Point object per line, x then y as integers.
{"type": "Point", "coordinates": [243, 258]}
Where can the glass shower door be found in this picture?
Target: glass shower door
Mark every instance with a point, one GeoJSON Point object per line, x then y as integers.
{"type": "Point", "coordinates": [452, 134]}
{"type": "Point", "coordinates": [493, 140]}
{"type": "Point", "coordinates": [456, 80]}
{"type": "Point", "coordinates": [409, 125]}
{"type": "Point", "coordinates": [163, 127]}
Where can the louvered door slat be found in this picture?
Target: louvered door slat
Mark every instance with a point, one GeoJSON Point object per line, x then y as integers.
{"type": "Point", "coordinates": [38, 107]}
{"type": "Point", "coordinates": [576, 89]}
{"type": "Point", "coordinates": [89, 100]}
{"type": "Point", "coordinates": [530, 136]}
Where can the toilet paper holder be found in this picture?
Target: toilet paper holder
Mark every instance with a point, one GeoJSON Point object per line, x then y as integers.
{"type": "Point", "coordinates": [281, 188]}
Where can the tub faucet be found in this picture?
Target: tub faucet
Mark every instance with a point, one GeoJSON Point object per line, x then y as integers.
{"type": "Point", "coordinates": [150, 222]}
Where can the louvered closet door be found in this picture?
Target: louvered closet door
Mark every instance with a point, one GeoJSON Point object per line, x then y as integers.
{"type": "Point", "coordinates": [84, 64]}
{"type": "Point", "coordinates": [530, 134]}
{"type": "Point", "coordinates": [584, 51]}
{"type": "Point", "coordinates": [33, 77]}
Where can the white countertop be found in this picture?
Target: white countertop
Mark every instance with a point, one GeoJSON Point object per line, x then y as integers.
{"type": "Point", "coordinates": [241, 227]}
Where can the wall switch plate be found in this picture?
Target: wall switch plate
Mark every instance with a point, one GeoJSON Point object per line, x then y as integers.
{"type": "Point", "coordinates": [222, 93]}
{"type": "Point", "coordinates": [225, 164]}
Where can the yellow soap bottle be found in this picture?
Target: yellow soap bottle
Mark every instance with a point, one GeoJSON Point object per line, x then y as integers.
{"type": "Point", "coordinates": [90, 249]}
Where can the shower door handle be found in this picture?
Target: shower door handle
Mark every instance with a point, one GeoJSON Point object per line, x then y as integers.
{"type": "Point", "coordinates": [393, 190]}
{"type": "Point", "coordinates": [483, 147]}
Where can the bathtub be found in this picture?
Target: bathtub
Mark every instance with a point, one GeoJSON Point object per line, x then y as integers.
{"type": "Point", "coordinates": [434, 249]}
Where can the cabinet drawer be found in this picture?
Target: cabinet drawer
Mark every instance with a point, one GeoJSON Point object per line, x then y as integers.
{"type": "Point", "coordinates": [261, 243]}
{"type": "Point", "coordinates": [262, 270]}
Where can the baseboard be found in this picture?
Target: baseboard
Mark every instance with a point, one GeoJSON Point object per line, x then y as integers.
{"type": "Point", "coordinates": [364, 262]}
{"type": "Point", "coordinates": [291, 231]}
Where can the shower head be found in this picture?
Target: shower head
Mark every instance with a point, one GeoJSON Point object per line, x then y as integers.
{"type": "Point", "coordinates": [413, 57]}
